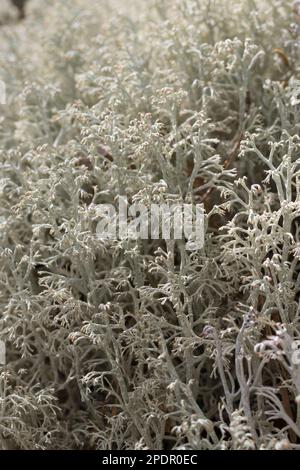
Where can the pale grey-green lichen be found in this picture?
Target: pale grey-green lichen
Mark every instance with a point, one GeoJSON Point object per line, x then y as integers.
{"type": "Point", "coordinates": [145, 344]}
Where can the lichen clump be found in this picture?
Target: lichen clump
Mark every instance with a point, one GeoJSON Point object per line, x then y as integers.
{"type": "Point", "coordinates": [145, 344]}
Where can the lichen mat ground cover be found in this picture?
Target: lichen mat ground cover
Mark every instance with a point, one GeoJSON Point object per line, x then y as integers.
{"type": "Point", "coordinates": [128, 343]}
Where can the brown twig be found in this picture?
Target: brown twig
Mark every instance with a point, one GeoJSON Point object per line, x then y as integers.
{"type": "Point", "coordinates": [227, 163]}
